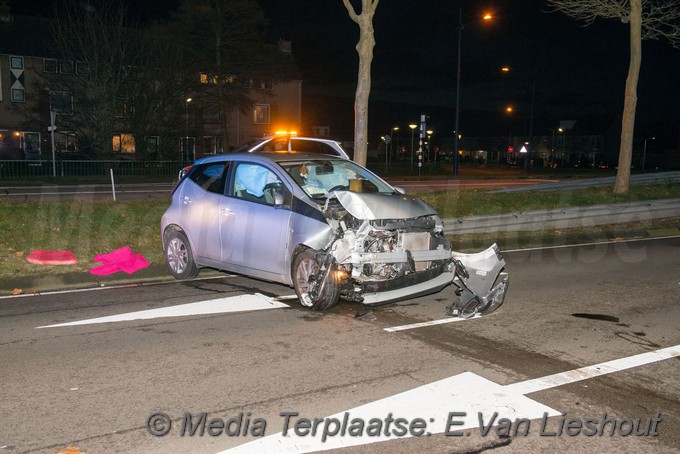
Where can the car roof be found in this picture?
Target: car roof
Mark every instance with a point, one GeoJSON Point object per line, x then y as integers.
{"type": "Point", "coordinates": [269, 157]}
{"type": "Point", "coordinates": [260, 145]}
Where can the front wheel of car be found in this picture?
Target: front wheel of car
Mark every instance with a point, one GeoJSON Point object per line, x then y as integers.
{"type": "Point", "coordinates": [316, 288]}
{"type": "Point", "coordinates": [178, 256]}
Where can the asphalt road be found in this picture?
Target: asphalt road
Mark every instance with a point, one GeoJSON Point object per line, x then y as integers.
{"type": "Point", "coordinates": [95, 385]}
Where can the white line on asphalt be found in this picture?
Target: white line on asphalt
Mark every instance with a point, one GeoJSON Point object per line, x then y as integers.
{"type": "Point", "coordinates": [109, 287]}
{"type": "Point", "coordinates": [572, 376]}
{"type": "Point", "coordinates": [430, 323]}
{"type": "Point", "coordinates": [240, 303]}
{"type": "Point", "coordinates": [598, 243]}
{"type": "Point", "coordinates": [474, 398]}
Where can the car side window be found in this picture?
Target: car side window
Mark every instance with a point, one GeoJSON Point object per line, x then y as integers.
{"type": "Point", "coordinates": [256, 183]}
{"type": "Point", "coordinates": [210, 176]}
{"type": "Point", "coordinates": [309, 146]}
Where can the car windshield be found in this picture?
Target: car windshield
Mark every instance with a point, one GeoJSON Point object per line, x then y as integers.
{"type": "Point", "coordinates": [320, 177]}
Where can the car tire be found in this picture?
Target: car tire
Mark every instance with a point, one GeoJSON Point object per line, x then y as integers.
{"type": "Point", "coordinates": [305, 264]}
{"type": "Point", "coordinates": [178, 256]}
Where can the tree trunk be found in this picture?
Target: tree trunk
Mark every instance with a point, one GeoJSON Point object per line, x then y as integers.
{"type": "Point", "coordinates": [630, 102]}
{"type": "Point", "coordinates": [365, 50]}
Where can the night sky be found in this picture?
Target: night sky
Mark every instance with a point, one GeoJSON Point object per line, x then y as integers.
{"type": "Point", "coordinates": [575, 72]}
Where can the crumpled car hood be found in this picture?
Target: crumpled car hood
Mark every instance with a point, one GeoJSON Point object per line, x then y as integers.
{"type": "Point", "coordinates": [383, 206]}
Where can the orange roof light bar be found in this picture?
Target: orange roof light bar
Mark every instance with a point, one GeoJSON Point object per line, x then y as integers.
{"type": "Point", "coordinates": [285, 133]}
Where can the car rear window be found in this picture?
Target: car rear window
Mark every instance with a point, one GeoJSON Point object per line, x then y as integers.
{"type": "Point", "coordinates": [210, 176]}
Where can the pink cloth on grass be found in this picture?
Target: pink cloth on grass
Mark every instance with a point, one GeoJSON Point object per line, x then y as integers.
{"type": "Point", "coordinates": [122, 259]}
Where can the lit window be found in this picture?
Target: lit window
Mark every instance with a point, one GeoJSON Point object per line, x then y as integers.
{"type": "Point", "coordinates": [261, 114]}
{"type": "Point", "coordinates": [123, 143]}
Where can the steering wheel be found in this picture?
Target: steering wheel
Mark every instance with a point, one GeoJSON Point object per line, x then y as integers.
{"type": "Point", "coordinates": [338, 187]}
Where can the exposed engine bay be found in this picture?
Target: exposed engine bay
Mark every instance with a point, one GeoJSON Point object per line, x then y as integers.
{"type": "Point", "coordinates": [377, 260]}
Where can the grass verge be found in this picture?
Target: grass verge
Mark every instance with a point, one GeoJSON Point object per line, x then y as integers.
{"type": "Point", "coordinates": [88, 228]}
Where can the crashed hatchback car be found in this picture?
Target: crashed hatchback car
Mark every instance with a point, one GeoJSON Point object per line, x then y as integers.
{"type": "Point", "coordinates": [324, 225]}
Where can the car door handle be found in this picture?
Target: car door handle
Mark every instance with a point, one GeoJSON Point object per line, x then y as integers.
{"type": "Point", "coordinates": [226, 211]}
{"type": "Point", "coordinates": [187, 200]}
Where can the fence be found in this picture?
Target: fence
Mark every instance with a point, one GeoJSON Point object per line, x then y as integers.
{"type": "Point", "coordinates": [10, 170]}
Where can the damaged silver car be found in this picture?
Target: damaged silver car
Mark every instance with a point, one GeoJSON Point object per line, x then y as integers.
{"type": "Point", "coordinates": [324, 225]}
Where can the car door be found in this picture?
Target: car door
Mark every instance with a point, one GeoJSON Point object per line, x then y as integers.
{"type": "Point", "coordinates": [200, 201]}
{"type": "Point", "coordinates": [255, 231]}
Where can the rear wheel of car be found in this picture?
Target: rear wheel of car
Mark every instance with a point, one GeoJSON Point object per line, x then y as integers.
{"type": "Point", "coordinates": [308, 277]}
{"type": "Point", "coordinates": [178, 256]}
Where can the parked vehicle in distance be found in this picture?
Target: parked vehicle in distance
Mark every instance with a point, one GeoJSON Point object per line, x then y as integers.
{"type": "Point", "coordinates": [291, 142]}
{"type": "Point", "coordinates": [324, 225]}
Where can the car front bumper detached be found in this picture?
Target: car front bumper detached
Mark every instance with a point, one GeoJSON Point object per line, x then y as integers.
{"type": "Point", "coordinates": [480, 283]}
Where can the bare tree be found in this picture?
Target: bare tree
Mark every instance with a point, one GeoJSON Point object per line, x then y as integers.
{"type": "Point", "coordinates": [224, 40]}
{"type": "Point", "coordinates": [365, 50]}
{"type": "Point", "coordinates": [96, 49]}
{"type": "Point", "coordinates": [648, 19]}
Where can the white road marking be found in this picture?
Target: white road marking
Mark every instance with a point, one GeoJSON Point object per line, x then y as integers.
{"type": "Point", "coordinates": [466, 393]}
{"type": "Point", "coordinates": [595, 243]}
{"type": "Point", "coordinates": [442, 321]}
{"type": "Point", "coordinates": [239, 303]}
{"type": "Point", "coordinates": [109, 287]}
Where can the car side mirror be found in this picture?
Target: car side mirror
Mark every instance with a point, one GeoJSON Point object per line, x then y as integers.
{"type": "Point", "coordinates": [278, 199]}
{"type": "Point", "coordinates": [400, 190]}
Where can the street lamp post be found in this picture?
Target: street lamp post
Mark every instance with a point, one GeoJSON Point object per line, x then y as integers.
{"type": "Point", "coordinates": [552, 148]}
{"type": "Point", "coordinates": [395, 151]}
{"type": "Point", "coordinates": [413, 128]}
{"type": "Point", "coordinates": [186, 135]}
{"type": "Point", "coordinates": [455, 135]}
{"type": "Point", "coordinates": [455, 127]}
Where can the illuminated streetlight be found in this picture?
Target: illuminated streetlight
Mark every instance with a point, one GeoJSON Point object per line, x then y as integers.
{"type": "Point", "coordinates": [186, 136]}
{"type": "Point", "coordinates": [486, 17]}
{"type": "Point", "coordinates": [413, 128]}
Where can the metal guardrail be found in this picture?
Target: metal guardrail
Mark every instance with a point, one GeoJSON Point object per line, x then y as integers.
{"type": "Point", "coordinates": [83, 168]}
{"type": "Point", "coordinates": [560, 218]}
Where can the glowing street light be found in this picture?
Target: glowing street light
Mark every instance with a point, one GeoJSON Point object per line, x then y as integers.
{"type": "Point", "coordinates": [186, 135]}
{"type": "Point", "coordinates": [486, 17]}
{"type": "Point", "coordinates": [413, 128]}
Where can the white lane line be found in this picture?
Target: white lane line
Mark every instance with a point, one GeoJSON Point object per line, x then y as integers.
{"type": "Point", "coordinates": [597, 243]}
{"type": "Point", "coordinates": [442, 321]}
{"type": "Point", "coordinates": [474, 397]}
{"type": "Point", "coordinates": [239, 303]}
{"type": "Point", "coordinates": [572, 376]}
{"type": "Point", "coordinates": [109, 287]}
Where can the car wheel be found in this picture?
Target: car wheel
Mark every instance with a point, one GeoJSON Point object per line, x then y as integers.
{"type": "Point", "coordinates": [179, 258]}
{"type": "Point", "coordinates": [307, 276]}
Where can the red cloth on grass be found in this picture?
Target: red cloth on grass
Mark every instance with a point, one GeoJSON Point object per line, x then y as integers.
{"type": "Point", "coordinates": [122, 259]}
{"type": "Point", "coordinates": [47, 257]}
